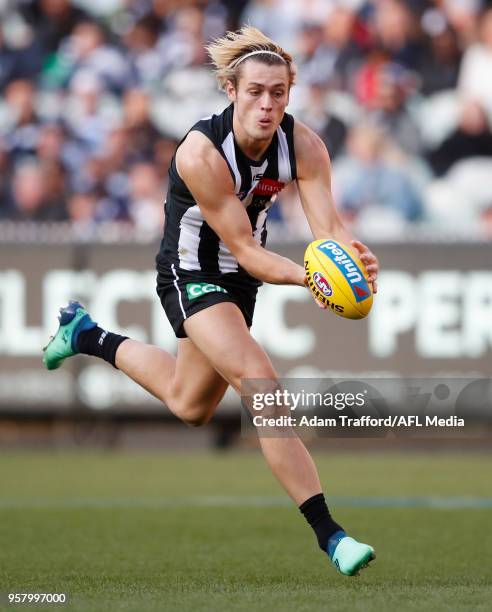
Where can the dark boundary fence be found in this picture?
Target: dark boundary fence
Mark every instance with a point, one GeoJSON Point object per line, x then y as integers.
{"type": "Point", "coordinates": [432, 317]}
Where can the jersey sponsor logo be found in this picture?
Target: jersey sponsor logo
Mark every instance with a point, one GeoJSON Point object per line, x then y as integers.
{"type": "Point", "coordinates": [347, 267]}
{"type": "Point", "coordinates": [268, 187]}
{"type": "Point", "coordinates": [196, 290]}
{"type": "Point", "coordinates": [322, 284]}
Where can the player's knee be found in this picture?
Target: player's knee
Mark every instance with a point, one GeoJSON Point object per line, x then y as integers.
{"type": "Point", "coordinates": [253, 369]}
{"type": "Point", "coordinates": [195, 417]}
{"type": "Point", "coordinates": [196, 420]}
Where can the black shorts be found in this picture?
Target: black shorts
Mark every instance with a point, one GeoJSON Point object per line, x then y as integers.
{"type": "Point", "coordinates": [183, 293]}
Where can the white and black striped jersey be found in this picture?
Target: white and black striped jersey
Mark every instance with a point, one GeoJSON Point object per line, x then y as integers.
{"type": "Point", "coordinates": [189, 243]}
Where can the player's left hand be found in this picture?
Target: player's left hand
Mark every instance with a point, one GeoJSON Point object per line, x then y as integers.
{"type": "Point", "coordinates": [370, 262]}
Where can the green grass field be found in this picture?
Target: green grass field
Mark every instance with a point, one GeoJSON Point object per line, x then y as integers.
{"type": "Point", "coordinates": [204, 531]}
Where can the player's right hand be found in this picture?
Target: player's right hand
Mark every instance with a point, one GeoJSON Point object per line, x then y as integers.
{"type": "Point", "coordinates": [317, 302]}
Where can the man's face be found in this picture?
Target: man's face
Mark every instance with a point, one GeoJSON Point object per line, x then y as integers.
{"type": "Point", "coordinates": [260, 98]}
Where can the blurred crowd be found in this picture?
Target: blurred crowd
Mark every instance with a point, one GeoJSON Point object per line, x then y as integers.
{"type": "Point", "coordinates": [96, 94]}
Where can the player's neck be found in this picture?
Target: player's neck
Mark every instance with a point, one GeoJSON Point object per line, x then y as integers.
{"type": "Point", "coordinates": [251, 147]}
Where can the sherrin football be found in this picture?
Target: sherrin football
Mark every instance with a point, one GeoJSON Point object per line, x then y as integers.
{"type": "Point", "coordinates": [338, 278]}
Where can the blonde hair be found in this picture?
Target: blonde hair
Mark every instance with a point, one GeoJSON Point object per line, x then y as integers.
{"type": "Point", "coordinates": [226, 53]}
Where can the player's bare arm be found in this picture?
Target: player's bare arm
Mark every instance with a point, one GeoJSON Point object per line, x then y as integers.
{"type": "Point", "coordinates": [207, 177]}
{"type": "Point", "coordinates": [314, 184]}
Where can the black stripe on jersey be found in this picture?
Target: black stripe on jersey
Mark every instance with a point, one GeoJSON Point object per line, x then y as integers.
{"type": "Point", "coordinates": [244, 170]}
{"type": "Point", "coordinates": [219, 127]}
{"type": "Point", "coordinates": [203, 129]}
{"type": "Point", "coordinates": [288, 127]}
{"type": "Point", "coordinates": [175, 206]}
{"type": "Point", "coordinates": [272, 169]}
{"type": "Point", "coordinates": [208, 249]}
{"type": "Point", "coordinates": [264, 235]}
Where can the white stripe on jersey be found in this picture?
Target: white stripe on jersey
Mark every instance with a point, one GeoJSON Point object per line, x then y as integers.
{"type": "Point", "coordinates": [189, 238]}
{"type": "Point", "coordinates": [284, 169]}
{"type": "Point", "coordinates": [227, 261]}
{"type": "Point", "coordinates": [260, 223]}
{"type": "Point", "coordinates": [230, 153]}
{"type": "Point", "coordinates": [176, 279]}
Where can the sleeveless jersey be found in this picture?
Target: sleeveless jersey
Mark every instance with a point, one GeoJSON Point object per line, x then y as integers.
{"type": "Point", "coordinates": [189, 243]}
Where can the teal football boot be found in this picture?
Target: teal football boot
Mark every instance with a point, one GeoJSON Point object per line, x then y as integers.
{"type": "Point", "coordinates": [348, 555]}
{"type": "Point", "coordinates": [73, 320]}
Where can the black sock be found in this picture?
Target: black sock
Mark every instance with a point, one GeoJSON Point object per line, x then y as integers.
{"type": "Point", "coordinates": [318, 516]}
{"type": "Point", "coordinates": [100, 343]}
